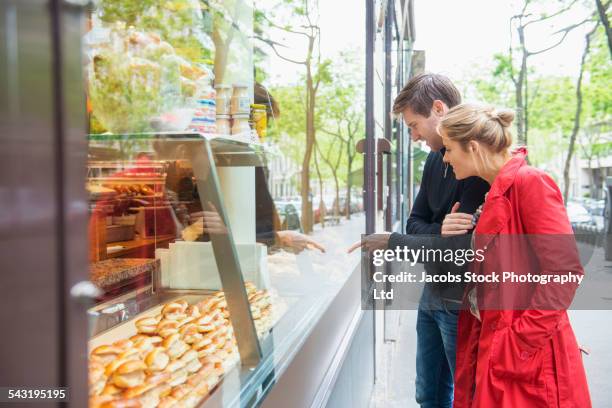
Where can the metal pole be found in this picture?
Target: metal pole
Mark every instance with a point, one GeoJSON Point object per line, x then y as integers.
{"type": "Point", "coordinates": [369, 166]}
{"type": "Point", "coordinates": [388, 127]}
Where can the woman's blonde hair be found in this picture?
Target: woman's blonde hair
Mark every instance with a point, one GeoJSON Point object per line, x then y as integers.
{"type": "Point", "coordinates": [484, 124]}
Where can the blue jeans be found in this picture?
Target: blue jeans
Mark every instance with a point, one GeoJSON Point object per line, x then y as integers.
{"type": "Point", "coordinates": [436, 347]}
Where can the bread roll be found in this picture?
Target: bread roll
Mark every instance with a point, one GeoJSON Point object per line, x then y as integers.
{"type": "Point", "coordinates": [150, 383]}
{"type": "Point", "coordinates": [110, 389]}
{"type": "Point", "coordinates": [193, 311]}
{"type": "Point", "coordinates": [147, 325]}
{"type": "Point", "coordinates": [167, 328]}
{"type": "Point", "coordinates": [98, 400]}
{"type": "Point", "coordinates": [105, 354]}
{"type": "Point", "coordinates": [123, 344]}
{"type": "Point", "coordinates": [175, 365]}
{"type": "Point", "coordinates": [181, 391]}
{"type": "Point", "coordinates": [205, 341]}
{"type": "Point", "coordinates": [189, 333]}
{"type": "Point", "coordinates": [129, 374]}
{"type": "Point", "coordinates": [122, 403]}
{"type": "Point", "coordinates": [174, 311]}
{"type": "Point", "coordinates": [189, 356]}
{"type": "Point", "coordinates": [178, 377]}
{"type": "Point", "coordinates": [168, 402]}
{"type": "Point", "coordinates": [206, 351]}
{"type": "Point", "coordinates": [157, 359]}
{"type": "Point", "coordinates": [194, 365]}
{"type": "Point", "coordinates": [174, 346]}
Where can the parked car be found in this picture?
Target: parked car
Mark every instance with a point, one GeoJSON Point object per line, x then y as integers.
{"type": "Point", "coordinates": [579, 215]}
{"type": "Point", "coordinates": [289, 215]}
{"type": "Point", "coordinates": [356, 204]}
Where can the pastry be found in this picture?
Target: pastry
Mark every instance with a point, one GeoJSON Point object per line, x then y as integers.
{"type": "Point", "coordinates": [123, 344]}
{"type": "Point", "coordinates": [97, 378]}
{"type": "Point", "coordinates": [97, 400]}
{"type": "Point", "coordinates": [193, 311]}
{"type": "Point", "coordinates": [110, 389]}
{"type": "Point", "coordinates": [114, 365]}
{"type": "Point", "coordinates": [175, 365]}
{"type": "Point", "coordinates": [173, 311]}
{"type": "Point", "coordinates": [147, 325]}
{"type": "Point", "coordinates": [157, 359]}
{"type": "Point", "coordinates": [181, 391]}
{"type": "Point", "coordinates": [206, 351]}
{"type": "Point", "coordinates": [151, 382]}
{"type": "Point", "coordinates": [189, 333]}
{"type": "Point", "coordinates": [207, 305]}
{"type": "Point", "coordinates": [168, 402]}
{"type": "Point", "coordinates": [166, 328]}
{"type": "Point", "coordinates": [122, 403]}
{"type": "Point", "coordinates": [178, 377]}
{"type": "Point", "coordinates": [105, 354]}
{"type": "Point", "coordinates": [205, 341]}
{"type": "Point", "coordinates": [129, 374]}
{"type": "Point", "coordinates": [189, 356]}
{"type": "Point", "coordinates": [194, 365]}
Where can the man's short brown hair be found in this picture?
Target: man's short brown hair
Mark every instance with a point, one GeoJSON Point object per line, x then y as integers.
{"type": "Point", "coordinates": [422, 90]}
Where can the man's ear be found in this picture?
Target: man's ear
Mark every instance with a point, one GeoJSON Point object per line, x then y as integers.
{"type": "Point", "coordinates": [439, 108]}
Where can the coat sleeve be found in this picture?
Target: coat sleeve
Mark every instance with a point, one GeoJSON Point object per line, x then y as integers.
{"type": "Point", "coordinates": [549, 234]}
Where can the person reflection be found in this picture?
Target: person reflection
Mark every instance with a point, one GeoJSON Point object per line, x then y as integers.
{"type": "Point", "coordinates": [268, 224]}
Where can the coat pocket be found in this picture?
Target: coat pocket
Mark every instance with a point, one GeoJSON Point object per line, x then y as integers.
{"type": "Point", "coordinates": [511, 358]}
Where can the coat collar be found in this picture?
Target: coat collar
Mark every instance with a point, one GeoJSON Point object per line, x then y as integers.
{"type": "Point", "coordinates": [507, 174]}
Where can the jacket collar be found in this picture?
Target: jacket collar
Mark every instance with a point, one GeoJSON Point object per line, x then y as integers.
{"type": "Point", "coordinates": [508, 172]}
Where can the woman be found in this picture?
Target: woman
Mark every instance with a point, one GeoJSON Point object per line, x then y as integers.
{"type": "Point", "coordinates": [515, 345]}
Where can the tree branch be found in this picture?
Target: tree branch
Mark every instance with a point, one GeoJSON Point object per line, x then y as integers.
{"type": "Point", "coordinates": [565, 32]}
{"type": "Point", "coordinates": [601, 9]}
{"type": "Point", "coordinates": [563, 10]}
{"type": "Point", "coordinates": [273, 24]}
{"type": "Point", "coordinates": [273, 44]}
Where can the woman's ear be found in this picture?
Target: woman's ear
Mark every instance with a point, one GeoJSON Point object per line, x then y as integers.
{"type": "Point", "coordinates": [473, 146]}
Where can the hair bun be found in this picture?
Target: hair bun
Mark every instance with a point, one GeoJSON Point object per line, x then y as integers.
{"type": "Point", "coordinates": [504, 117]}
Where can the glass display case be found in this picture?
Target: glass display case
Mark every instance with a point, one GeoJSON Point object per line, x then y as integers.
{"type": "Point", "coordinates": [199, 299]}
{"type": "Point", "coordinates": [204, 287]}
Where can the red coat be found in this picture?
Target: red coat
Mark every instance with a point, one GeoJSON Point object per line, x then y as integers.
{"type": "Point", "coordinates": [521, 358]}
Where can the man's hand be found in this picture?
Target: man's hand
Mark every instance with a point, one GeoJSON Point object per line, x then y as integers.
{"type": "Point", "coordinates": [456, 223]}
{"type": "Point", "coordinates": [372, 242]}
{"type": "Point", "coordinates": [297, 242]}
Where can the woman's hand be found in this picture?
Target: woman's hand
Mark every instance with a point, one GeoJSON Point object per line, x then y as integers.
{"type": "Point", "coordinates": [204, 222]}
{"type": "Point", "coordinates": [297, 242]}
{"type": "Point", "coordinates": [456, 223]}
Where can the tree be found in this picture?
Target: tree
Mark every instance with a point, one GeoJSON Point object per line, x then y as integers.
{"type": "Point", "coordinates": [602, 10]}
{"type": "Point", "coordinates": [342, 116]}
{"type": "Point", "coordinates": [577, 115]}
{"type": "Point", "coordinates": [519, 73]}
{"type": "Point", "coordinates": [305, 26]}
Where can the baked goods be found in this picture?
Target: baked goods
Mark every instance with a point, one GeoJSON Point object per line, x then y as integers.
{"type": "Point", "coordinates": [111, 272]}
{"type": "Point", "coordinates": [176, 358]}
{"type": "Point", "coordinates": [167, 328]}
{"type": "Point", "coordinates": [129, 374]}
{"type": "Point", "coordinates": [105, 354]}
{"type": "Point", "coordinates": [147, 325]}
{"type": "Point", "coordinates": [157, 359]}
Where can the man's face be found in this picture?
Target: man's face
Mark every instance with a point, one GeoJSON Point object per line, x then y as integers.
{"type": "Point", "coordinates": [425, 129]}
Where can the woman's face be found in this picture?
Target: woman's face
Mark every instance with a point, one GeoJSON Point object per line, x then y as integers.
{"type": "Point", "coordinates": [461, 158]}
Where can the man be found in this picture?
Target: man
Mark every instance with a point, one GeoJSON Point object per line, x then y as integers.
{"type": "Point", "coordinates": [422, 103]}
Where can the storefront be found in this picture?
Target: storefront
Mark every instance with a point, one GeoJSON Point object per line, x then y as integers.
{"type": "Point", "coordinates": [146, 259]}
